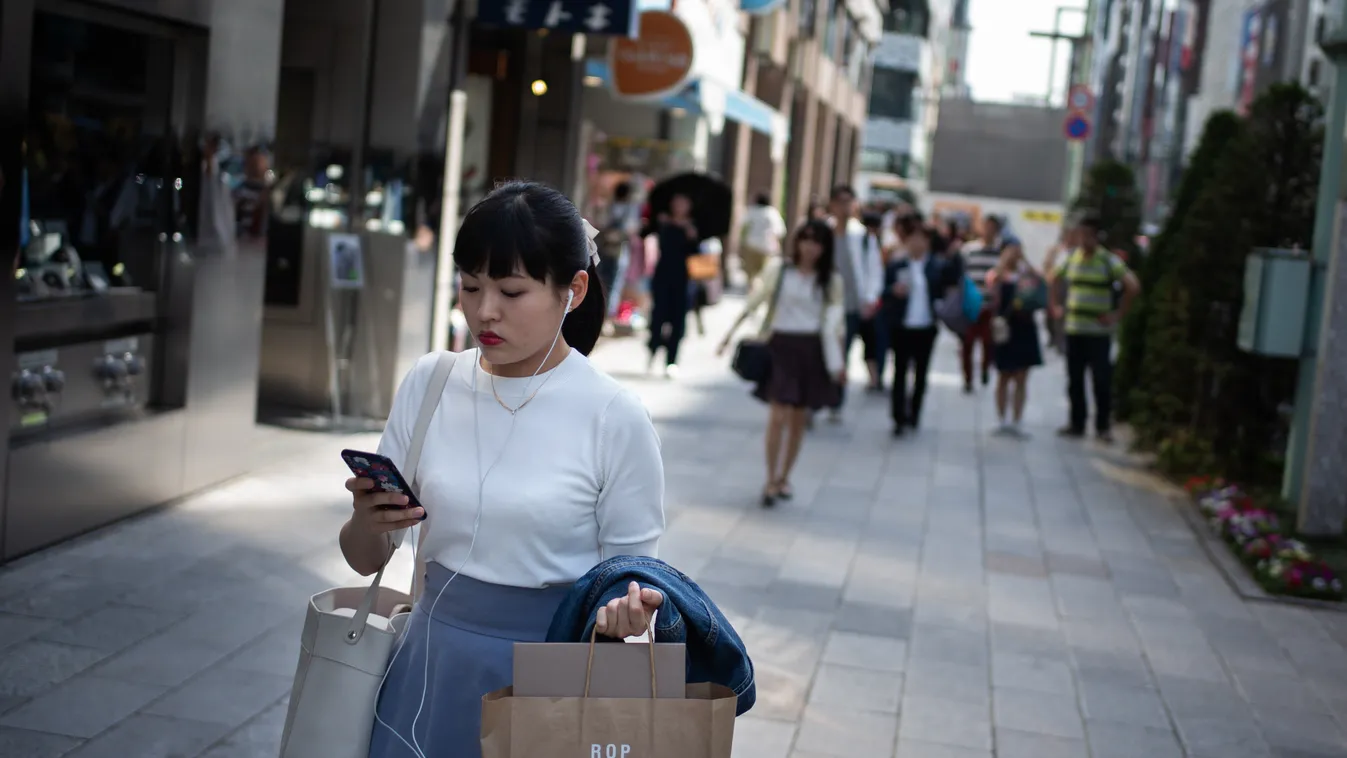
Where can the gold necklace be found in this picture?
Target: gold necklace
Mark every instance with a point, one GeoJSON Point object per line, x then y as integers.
{"type": "Point", "coordinates": [519, 407]}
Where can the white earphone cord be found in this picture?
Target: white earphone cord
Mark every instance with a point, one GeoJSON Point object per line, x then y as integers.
{"type": "Point", "coordinates": [415, 744]}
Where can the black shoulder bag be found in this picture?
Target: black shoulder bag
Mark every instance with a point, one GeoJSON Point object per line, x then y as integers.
{"type": "Point", "coordinates": [752, 361]}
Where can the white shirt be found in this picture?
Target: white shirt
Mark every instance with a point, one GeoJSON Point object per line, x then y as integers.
{"type": "Point", "coordinates": [799, 305]}
{"type": "Point", "coordinates": [580, 479]}
{"type": "Point", "coordinates": [764, 228]}
{"type": "Point", "coordinates": [919, 314]}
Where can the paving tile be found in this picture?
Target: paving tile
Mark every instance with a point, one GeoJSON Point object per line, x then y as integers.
{"type": "Point", "coordinates": [222, 695]}
{"type": "Point", "coordinates": [843, 732]}
{"type": "Point", "coordinates": [29, 668]}
{"type": "Point", "coordinates": [83, 706]}
{"type": "Point", "coordinates": [1026, 672]}
{"type": "Point", "coordinates": [1012, 743]}
{"type": "Point", "coordinates": [1010, 563]}
{"type": "Point", "coordinates": [761, 738]}
{"type": "Point", "coordinates": [1135, 706]}
{"type": "Point", "coordinates": [145, 736]}
{"type": "Point", "coordinates": [163, 660]}
{"type": "Point", "coordinates": [1109, 739]}
{"type": "Point", "coordinates": [866, 651]}
{"type": "Point", "coordinates": [940, 680]}
{"type": "Point", "coordinates": [856, 688]}
{"type": "Point", "coordinates": [112, 628]}
{"type": "Point", "coordinates": [22, 743]}
{"type": "Point", "coordinates": [15, 628]}
{"type": "Point", "coordinates": [945, 722]}
{"type": "Point", "coordinates": [917, 749]}
{"type": "Point", "coordinates": [1037, 713]}
{"type": "Point", "coordinates": [1065, 563]}
{"type": "Point", "coordinates": [874, 619]}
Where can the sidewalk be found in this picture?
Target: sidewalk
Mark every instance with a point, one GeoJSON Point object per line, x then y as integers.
{"type": "Point", "coordinates": [948, 595]}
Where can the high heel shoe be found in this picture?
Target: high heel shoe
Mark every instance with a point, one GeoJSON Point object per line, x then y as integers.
{"type": "Point", "coordinates": [769, 497]}
{"type": "Point", "coordinates": [783, 490]}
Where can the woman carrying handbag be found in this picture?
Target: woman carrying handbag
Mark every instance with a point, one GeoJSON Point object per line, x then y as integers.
{"type": "Point", "coordinates": [537, 466]}
{"type": "Point", "coordinates": [803, 333]}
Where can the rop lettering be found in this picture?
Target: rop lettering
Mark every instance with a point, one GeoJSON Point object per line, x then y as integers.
{"type": "Point", "coordinates": [609, 751]}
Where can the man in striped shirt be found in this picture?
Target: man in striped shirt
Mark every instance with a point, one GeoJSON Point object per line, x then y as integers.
{"type": "Point", "coordinates": [981, 258]}
{"type": "Point", "coordinates": [1094, 277]}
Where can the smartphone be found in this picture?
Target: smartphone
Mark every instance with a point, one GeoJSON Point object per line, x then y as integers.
{"type": "Point", "coordinates": [382, 472]}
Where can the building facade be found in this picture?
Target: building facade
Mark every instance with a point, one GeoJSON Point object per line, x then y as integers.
{"type": "Point", "coordinates": [912, 72]}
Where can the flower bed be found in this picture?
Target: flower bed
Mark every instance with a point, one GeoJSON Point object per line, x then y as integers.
{"type": "Point", "coordinates": [1281, 564]}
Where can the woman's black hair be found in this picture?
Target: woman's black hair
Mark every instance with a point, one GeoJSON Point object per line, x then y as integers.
{"type": "Point", "coordinates": [817, 231]}
{"type": "Point", "coordinates": [530, 226]}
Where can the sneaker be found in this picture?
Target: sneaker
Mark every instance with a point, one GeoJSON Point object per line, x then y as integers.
{"type": "Point", "coordinates": [1071, 433]}
{"type": "Point", "coordinates": [835, 416]}
{"type": "Point", "coordinates": [1105, 437]}
{"type": "Point", "coordinates": [671, 371]}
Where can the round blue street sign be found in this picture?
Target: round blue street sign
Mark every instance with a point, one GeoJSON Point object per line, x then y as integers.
{"type": "Point", "coordinates": [1077, 127]}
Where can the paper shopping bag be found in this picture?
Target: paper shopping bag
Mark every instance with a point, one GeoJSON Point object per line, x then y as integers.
{"type": "Point", "coordinates": [617, 670]}
{"type": "Point", "coordinates": [698, 725]}
{"type": "Point", "coordinates": [701, 725]}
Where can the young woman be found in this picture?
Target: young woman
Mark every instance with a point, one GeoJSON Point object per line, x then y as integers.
{"type": "Point", "coordinates": [913, 284]}
{"type": "Point", "coordinates": [1017, 291]}
{"type": "Point", "coordinates": [804, 329]}
{"type": "Point", "coordinates": [536, 467]}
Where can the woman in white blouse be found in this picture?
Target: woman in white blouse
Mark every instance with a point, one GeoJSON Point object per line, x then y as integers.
{"type": "Point", "coordinates": [804, 329]}
{"type": "Point", "coordinates": [536, 467]}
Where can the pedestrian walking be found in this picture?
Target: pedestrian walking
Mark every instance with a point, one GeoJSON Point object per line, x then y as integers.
{"type": "Point", "coordinates": [562, 460]}
{"type": "Point", "coordinates": [1018, 292]}
{"type": "Point", "coordinates": [1099, 289]}
{"type": "Point", "coordinates": [763, 230]}
{"type": "Point", "coordinates": [912, 286]}
{"type": "Point", "coordinates": [978, 262]}
{"type": "Point", "coordinates": [670, 285]}
{"type": "Point", "coordinates": [803, 327]}
{"type": "Point", "coordinates": [862, 270]}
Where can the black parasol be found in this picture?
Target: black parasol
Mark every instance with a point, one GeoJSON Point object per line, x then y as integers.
{"type": "Point", "coordinates": [712, 201]}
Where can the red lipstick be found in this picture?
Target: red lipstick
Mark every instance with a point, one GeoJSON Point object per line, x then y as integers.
{"type": "Point", "coordinates": [489, 339]}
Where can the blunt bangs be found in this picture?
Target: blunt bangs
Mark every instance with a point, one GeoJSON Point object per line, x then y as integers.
{"type": "Point", "coordinates": [500, 237]}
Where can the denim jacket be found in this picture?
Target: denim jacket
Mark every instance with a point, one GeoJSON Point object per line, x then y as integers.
{"type": "Point", "coordinates": [715, 653]}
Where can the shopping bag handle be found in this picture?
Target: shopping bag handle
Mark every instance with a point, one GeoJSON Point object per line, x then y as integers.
{"type": "Point", "coordinates": [650, 638]}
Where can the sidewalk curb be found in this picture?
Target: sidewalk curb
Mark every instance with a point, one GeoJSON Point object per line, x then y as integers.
{"type": "Point", "coordinates": [1234, 572]}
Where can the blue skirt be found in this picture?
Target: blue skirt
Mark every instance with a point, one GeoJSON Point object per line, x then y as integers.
{"type": "Point", "coordinates": [450, 660]}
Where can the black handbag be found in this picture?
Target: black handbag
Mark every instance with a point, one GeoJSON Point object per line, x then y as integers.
{"type": "Point", "coordinates": [752, 360]}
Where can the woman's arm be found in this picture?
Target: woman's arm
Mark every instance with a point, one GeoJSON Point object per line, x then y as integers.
{"type": "Point", "coordinates": [630, 508]}
{"type": "Point", "coordinates": [834, 328]}
{"type": "Point", "coordinates": [762, 291]}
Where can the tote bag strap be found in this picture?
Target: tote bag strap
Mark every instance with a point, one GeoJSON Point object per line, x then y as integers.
{"type": "Point", "coordinates": [444, 366]}
{"type": "Point", "coordinates": [776, 296]}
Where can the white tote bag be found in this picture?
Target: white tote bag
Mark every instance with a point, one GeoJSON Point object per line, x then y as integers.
{"type": "Point", "coordinates": [349, 637]}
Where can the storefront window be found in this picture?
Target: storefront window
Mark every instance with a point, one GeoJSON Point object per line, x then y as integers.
{"type": "Point", "coordinates": [891, 94]}
{"type": "Point", "coordinates": [808, 17]}
{"type": "Point", "coordinates": [99, 156]}
{"type": "Point", "coordinates": [830, 32]}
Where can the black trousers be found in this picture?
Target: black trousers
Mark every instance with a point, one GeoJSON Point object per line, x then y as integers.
{"type": "Point", "coordinates": [912, 348]}
{"type": "Point", "coordinates": [669, 310]}
{"type": "Point", "coordinates": [1093, 353]}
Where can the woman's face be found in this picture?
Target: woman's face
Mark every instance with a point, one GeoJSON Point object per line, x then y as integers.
{"type": "Point", "coordinates": [1010, 257]}
{"type": "Point", "coordinates": [809, 250]}
{"type": "Point", "coordinates": [516, 318]}
{"type": "Point", "coordinates": [680, 206]}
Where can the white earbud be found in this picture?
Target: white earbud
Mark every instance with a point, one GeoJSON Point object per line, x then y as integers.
{"type": "Point", "coordinates": [570, 298]}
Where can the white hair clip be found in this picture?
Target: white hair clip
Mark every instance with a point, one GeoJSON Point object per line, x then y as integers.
{"type": "Point", "coordinates": [591, 234]}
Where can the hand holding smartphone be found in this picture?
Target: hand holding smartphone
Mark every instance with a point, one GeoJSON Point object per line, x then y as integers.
{"type": "Point", "coordinates": [382, 497]}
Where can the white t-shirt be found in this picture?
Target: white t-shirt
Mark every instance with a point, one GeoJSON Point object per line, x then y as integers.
{"type": "Point", "coordinates": [918, 314]}
{"type": "Point", "coordinates": [799, 305]}
{"type": "Point", "coordinates": [763, 228]}
{"type": "Point", "coordinates": [580, 481]}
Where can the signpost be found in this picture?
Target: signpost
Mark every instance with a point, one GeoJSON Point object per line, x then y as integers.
{"type": "Point", "coordinates": [1080, 99]}
{"type": "Point", "coordinates": [656, 63]}
{"type": "Point", "coordinates": [1077, 127]}
{"type": "Point", "coordinates": [606, 17]}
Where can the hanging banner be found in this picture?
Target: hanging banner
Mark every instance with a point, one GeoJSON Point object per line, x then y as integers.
{"type": "Point", "coordinates": [657, 63]}
{"type": "Point", "coordinates": [607, 17]}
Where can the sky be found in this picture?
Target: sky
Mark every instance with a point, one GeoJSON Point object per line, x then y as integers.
{"type": "Point", "coordinates": [1004, 62]}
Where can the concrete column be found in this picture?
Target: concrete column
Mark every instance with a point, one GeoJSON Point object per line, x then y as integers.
{"type": "Point", "coordinates": [1323, 506]}
{"type": "Point", "coordinates": [804, 133]}
{"type": "Point", "coordinates": [827, 146]}
{"type": "Point", "coordinates": [739, 140]}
